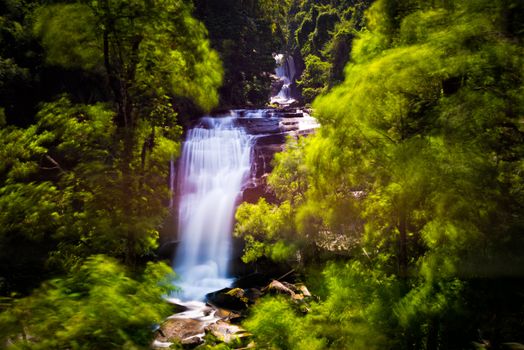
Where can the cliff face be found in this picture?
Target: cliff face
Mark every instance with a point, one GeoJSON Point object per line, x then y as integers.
{"type": "Point", "coordinates": [270, 129]}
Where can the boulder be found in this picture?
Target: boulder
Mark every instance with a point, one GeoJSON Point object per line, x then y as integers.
{"type": "Point", "coordinates": [185, 331]}
{"type": "Point", "coordinates": [176, 307]}
{"type": "Point", "coordinates": [228, 315]}
{"type": "Point", "coordinates": [228, 298]}
{"type": "Point", "coordinates": [227, 333]}
{"type": "Point", "coordinates": [278, 287]}
{"type": "Point", "coordinates": [257, 126]}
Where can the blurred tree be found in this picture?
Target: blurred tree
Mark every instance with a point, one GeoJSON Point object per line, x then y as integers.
{"type": "Point", "coordinates": [96, 306]}
{"type": "Point", "coordinates": [420, 159]}
{"type": "Point", "coordinates": [149, 53]}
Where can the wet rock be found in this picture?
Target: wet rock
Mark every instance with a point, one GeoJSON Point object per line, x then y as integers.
{"type": "Point", "coordinates": [228, 315]}
{"type": "Point", "coordinates": [278, 287]}
{"type": "Point", "coordinates": [306, 132]}
{"type": "Point", "coordinates": [227, 333]}
{"type": "Point", "coordinates": [185, 331]}
{"type": "Point", "coordinates": [176, 306]}
{"type": "Point", "coordinates": [263, 155]}
{"type": "Point", "coordinates": [257, 126]}
{"type": "Point", "coordinates": [274, 139]}
{"type": "Point", "coordinates": [294, 114]}
{"type": "Point", "coordinates": [290, 125]}
{"type": "Point", "coordinates": [229, 299]}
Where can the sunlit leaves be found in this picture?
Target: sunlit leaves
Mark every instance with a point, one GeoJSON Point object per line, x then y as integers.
{"type": "Point", "coordinates": [355, 315]}
{"type": "Point", "coordinates": [98, 305]}
{"type": "Point", "coordinates": [155, 50]}
{"type": "Point", "coordinates": [30, 210]}
{"type": "Point", "coordinates": [68, 33]}
{"type": "Point", "coordinates": [266, 228]}
{"type": "Point", "coordinates": [420, 157]}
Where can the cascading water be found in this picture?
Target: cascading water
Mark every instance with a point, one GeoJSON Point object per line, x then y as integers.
{"type": "Point", "coordinates": [214, 164]}
{"type": "Point", "coordinates": [286, 73]}
{"type": "Point", "coordinates": [217, 158]}
{"type": "Point", "coordinates": [171, 181]}
{"type": "Point", "coordinates": [213, 170]}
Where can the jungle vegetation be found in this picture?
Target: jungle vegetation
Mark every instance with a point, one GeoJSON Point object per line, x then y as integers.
{"type": "Point", "coordinates": [403, 213]}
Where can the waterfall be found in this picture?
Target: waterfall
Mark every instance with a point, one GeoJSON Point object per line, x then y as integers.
{"type": "Point", "coordinates": [214, 164]}
{"type": "Point", "coordinates": [171, 182]}
{"type": "Point", "coordinates": [286, 72]}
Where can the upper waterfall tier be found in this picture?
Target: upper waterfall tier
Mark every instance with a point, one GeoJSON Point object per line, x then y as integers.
{"type": "Point", "coordinates": [286, 73]}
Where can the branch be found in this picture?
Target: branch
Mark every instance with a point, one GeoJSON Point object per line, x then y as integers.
{"type": "Point", "coordinates": [55, 163]}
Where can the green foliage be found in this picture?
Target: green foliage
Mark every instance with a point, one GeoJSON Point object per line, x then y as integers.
{"type": "Point", "coordinates": [157, 50]}
{"type": "Point", "coordinates": [323, 32]}
{"type": "Point", "coordinates": [355, 315]}
{"type": "Point", "coordinates": [289, 176]}
{"type": "Point", "coordinates": [263, 227]}
{"type": "Point", "coordinates": [246, 34]}
{"type": "Point", "coordinates": [419, 162]}
{"type": "Point", "coordinates": [274, 324]}
{"type": "Point", "coordinates": [314, 77]}
{"type": "Point", "coordinates": [63, 169]}
{"type": "Point", "coordinates": [98, 305]}
{"type": "Point", "coordinates": [60, 28]}
{"type": "Point", "coordinates": [83, 179]}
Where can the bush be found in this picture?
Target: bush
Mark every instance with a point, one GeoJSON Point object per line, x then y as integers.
{"type": "Point", "coordinates": [98, 306]}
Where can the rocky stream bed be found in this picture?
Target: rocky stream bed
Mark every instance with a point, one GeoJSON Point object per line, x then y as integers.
{"type": "Point", "coordinates": [218, 319]}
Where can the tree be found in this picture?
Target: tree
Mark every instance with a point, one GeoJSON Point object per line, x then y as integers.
{"type": "Point", "coordinates": [246, 34]}
{"type": "Point", "coordinates": [422, 143]}
{"type": "Point", "coordinates": [321, 36]}
{"type": "Point", "coordinates": [150, 53]}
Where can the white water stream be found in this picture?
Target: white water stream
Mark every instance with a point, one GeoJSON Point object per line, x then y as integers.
{"type": "Point", "coordinates": [215, 163]}
{"type": "Point", "coordinates": [286, 73]}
